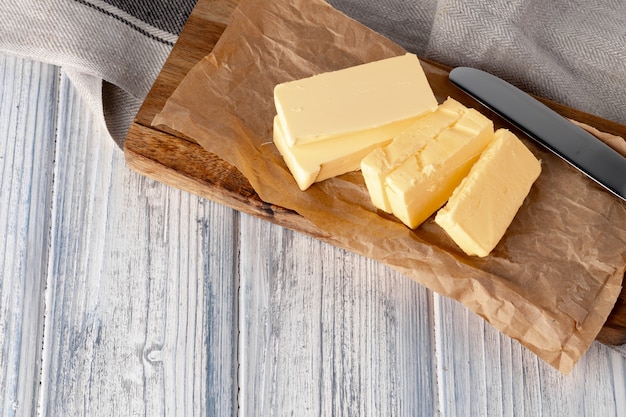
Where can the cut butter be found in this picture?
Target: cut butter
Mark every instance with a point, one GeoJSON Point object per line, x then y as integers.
{"type": "Point", "coordinates": [420, 185]}
{"type": "Point", "coordinates": [378, 164]}
{"type": "Point", "coordinates": [482, 208]}
{"type": "Point", "coordinates": [327, 123]}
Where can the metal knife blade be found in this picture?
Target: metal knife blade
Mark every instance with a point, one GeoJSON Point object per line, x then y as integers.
{"type": "Point", "coordinates": [572, 143]}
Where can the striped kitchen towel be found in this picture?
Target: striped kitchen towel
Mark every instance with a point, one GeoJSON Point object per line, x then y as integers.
{"type": "Point", "coordinates": [112, 50]}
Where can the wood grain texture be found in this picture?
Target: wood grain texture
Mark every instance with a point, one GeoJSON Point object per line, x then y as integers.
{"type": "Point", "coordinates": [150, 151]}
{"type": "Point", "coordinates": [117, 294]}
{"type": "Point", "coordinates": [140, 310]}
{"type": "Point", "coordinates": [502, 378]}
{"type": "Point", "coordinates": [28, 93]}
{"type": "Point", "coordinates": [339, 335]}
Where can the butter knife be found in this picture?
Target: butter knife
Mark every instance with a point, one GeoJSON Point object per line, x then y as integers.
{"type": "Point", "coordinates": [572, 143]}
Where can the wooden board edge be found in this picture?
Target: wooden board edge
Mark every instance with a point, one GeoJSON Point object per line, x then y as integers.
{"type": "Point", "coordinates": [613, 331]}
{"type": "Point", "coordinates": [179, 168]}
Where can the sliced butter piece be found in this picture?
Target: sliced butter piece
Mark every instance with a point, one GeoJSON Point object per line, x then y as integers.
{"type": "Point", "coordinates": [484, 205]}
{"type": "Point", "coordinates": [422, 184]}
{"type": "Point", "coordinates": [377, 165]}
{"type": "Point", "coordinates": [369, 97]}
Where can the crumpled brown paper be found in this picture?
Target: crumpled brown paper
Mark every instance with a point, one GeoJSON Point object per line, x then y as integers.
{"type": "Point", "coordinates": [550, 283]}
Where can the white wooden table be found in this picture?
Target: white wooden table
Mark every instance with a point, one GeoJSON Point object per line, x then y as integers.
{"type": "Point", "coordinates": [120, 296]}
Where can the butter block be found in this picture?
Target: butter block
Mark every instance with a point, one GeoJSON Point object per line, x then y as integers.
{"type": "Point", "coordinates": [378, 164]}
{"type": "Point", "coordinates": [327, 123]}
{"type": "Point", "coordinates": [483, 206]}
{"type": "Point", "coordinates": [422, 184]}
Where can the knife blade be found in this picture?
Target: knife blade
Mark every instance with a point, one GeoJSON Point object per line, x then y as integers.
{"type": "Point", "coordinates": [581, 149]}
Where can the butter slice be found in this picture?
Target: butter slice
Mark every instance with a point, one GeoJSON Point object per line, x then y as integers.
{"type": "Point", "coordinates": [484, 205]}
{"type": "Point", "coordinates": [327, 123]}
{"type": "Point", "coordinates": [422, 184]}
{"type": "Point", "coordinates": [378, 164]}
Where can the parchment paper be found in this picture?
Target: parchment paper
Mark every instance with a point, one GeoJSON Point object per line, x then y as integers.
{"type": "Point", "coordinates": [550, 283]}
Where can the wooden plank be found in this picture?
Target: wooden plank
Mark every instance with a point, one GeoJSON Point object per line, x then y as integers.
{"type": "Point", "coordinates": [343, 335]}
{"type": "Point", "coordinates": [27, 123]}
{"type": "Point", "coordinates": [141, 299]}
{"type": "Point", "coordinates": [481, 372]}
{"type": "Point", "coordinates": [149, 150]}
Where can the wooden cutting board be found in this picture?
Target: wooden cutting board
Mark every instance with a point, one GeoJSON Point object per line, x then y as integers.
{"type": "Point", "coordinates": [180, 162]}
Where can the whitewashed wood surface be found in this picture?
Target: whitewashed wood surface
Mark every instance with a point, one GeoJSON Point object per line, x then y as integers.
{"type": "Point", "coordinates": [120, 296]}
